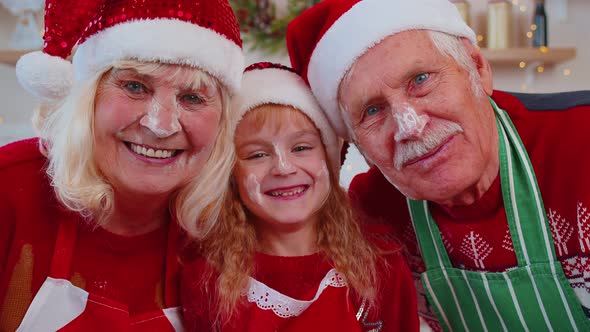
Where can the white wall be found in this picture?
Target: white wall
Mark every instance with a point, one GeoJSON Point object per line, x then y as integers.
{"type": "Point", "coordinates": [16, 105]}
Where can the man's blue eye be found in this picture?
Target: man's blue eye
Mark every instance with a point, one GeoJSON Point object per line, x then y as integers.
{"type": "Point", "coordinates": [301, 148]}
{"type": "Point", "coordinates": [372, 110]}
{"type": "Point", "coordinates": [421, 78]}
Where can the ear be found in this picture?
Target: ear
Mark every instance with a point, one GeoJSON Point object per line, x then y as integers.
{"type": "Point", "coordinates": [482, 65]}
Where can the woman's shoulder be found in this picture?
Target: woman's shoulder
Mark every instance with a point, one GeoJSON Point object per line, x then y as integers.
{"type": "Point", "coordinates": [21, 152]}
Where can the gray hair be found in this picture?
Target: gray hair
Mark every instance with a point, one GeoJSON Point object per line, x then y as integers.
{"type": "Point", "coordinates": [446, 44]}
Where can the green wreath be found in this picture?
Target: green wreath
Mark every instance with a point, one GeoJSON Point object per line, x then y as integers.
{"type": "Point", "coordinates": [260, 26]}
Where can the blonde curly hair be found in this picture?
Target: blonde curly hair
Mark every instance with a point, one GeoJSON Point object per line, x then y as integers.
{"type": "Point", "coordinates": [230, 243]}
{"type": "Point", "coordinates": [67, 138]}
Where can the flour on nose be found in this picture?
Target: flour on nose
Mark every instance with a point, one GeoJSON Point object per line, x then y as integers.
{"type": "Point", "coordinates": [284, 165]}
{"type": "Point", "coordinates": [160, 123]}
{"type": "Point", "coordinates": [409, 123]}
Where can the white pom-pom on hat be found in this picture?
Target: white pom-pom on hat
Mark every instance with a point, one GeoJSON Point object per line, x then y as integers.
{"type": "Point", "coordinates": [45, 76]}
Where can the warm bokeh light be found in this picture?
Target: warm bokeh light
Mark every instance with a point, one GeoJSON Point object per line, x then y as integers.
{"type": "Point", "coordinates": [567, 72]}
{"type": "Point", "coordinates": [533, 27]}
{"type": "Point", "coordinates": [522, 64]}
{"type": "Point", "coordinates": [529, 34]}
{"type": "Point", "coordinates": [543, 49]}
{"type": "Point", "coordinates": [523, 8]}
{"type": "Point", "coordinates": [540, 69]}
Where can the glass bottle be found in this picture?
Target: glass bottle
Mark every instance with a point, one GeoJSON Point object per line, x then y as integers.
{"type": "Point", "coordinates": [540, 22]}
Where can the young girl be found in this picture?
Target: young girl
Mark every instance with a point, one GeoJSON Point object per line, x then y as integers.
{"type": "Point", "coordinates": [287, 254]}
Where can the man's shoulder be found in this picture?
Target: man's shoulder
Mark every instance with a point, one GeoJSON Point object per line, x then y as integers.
{"type": "Point", "coordinates": [542, 102]}
{"type": "Point", "coordinates": [376, 199]}
{"type": "Point", "coordinates": [22, 170]}
{"type": "Point", "coordinates": [541, 108]}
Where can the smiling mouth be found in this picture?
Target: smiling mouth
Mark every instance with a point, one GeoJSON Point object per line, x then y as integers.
{"type": "Point", "coordinates": [287, 192]}
{"type": "Point", "coordinates": [151, 152]}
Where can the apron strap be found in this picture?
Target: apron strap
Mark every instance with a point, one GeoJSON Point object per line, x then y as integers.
{"type": "Point", "coordinates": [172, 277]}
{"type": "Point", "coordinates": [532, 238]}
{"type": "Point", "coordinates": [64, 249]}
{"type": "Point", "coordinates": [432, 248]}
{"type": "Point", "coordinates": [527, 221]}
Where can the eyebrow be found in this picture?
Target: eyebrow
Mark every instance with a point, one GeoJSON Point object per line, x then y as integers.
{"type": "Point", "coordinates": [130, 71]}
{"type": "Point", "coordinates": [295, 136]}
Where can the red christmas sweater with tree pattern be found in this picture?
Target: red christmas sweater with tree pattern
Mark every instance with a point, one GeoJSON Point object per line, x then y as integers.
{"type": "Point", "coordinates": [554, 130]}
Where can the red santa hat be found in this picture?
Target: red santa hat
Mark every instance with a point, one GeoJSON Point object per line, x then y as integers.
{"type": "Point", "coordinates": [269, 83]}
{"type": "Point", "coordinates": [325, 40]}
{"type": "Point", "coordinates": [198, 33]}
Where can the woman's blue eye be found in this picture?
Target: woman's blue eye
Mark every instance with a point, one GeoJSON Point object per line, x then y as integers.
{"type": "Point", "coordinates": [421, 78]}
{"type": "Point", "coordinates": [192, 99]}
{"type": "Point", "coordinates": [372, 110]}
{"type": "Point", "coordinates": [134, 87]}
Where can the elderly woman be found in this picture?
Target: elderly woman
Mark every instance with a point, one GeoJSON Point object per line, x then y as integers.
{"type": "Point", "coordinates": [134, 144]}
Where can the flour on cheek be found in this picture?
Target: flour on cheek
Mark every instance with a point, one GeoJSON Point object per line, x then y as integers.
{"type": "Point", "coordinates": [323, 177]}
{"type": "Point", "coordinates": [253, 187]}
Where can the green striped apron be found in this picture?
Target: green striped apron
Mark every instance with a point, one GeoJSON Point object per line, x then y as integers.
{"type": "Point", "coordinates": [535, 296]}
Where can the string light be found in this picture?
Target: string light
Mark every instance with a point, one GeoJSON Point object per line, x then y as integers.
{"type": "Point", "coordinates": [522, 64]}
{"type": "Point", "coordinates": [533, 27]}
{"type": "Point", "coordinates": [529, 34]}
{"type": "Point", "coordinates": [479, 38]}
{"type": "Point", "coordinates": [523, 8]}
{"type": "Point", "coordinates": [567, 72]}
{"type": "Point", "coordinates": [540, 69]}
{"type": "Point", "coordinates": [544, 49]}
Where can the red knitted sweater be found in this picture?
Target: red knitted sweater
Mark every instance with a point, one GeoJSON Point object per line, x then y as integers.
{"type": "Point", "coordinates": [129, 270]}
{"type": "Point", "coordinates": [300, 278]}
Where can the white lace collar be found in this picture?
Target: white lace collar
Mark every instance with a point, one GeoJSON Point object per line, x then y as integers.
{"type": "Point", "coordinates": [282, 305]}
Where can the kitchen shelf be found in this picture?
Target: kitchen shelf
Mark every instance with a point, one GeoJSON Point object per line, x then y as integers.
{"type": "Point", "coordinates": [10, 57]}
{"type": "Point", "coordinates": [513, 56]}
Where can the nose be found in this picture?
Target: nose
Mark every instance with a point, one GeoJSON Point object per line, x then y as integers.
{"type": "Point", "coordinates": [162, 118]}
{"type": "Point", "coordinates": [282, 164]}
{"type": "Point", "coordinates": [410, 124]}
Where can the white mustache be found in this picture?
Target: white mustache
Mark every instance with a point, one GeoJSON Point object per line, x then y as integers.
{"type": "Point", "coordinates": [408, 150]}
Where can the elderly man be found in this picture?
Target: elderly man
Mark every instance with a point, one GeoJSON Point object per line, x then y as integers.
{"type": "Point", "coordinates": [496, 221]}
